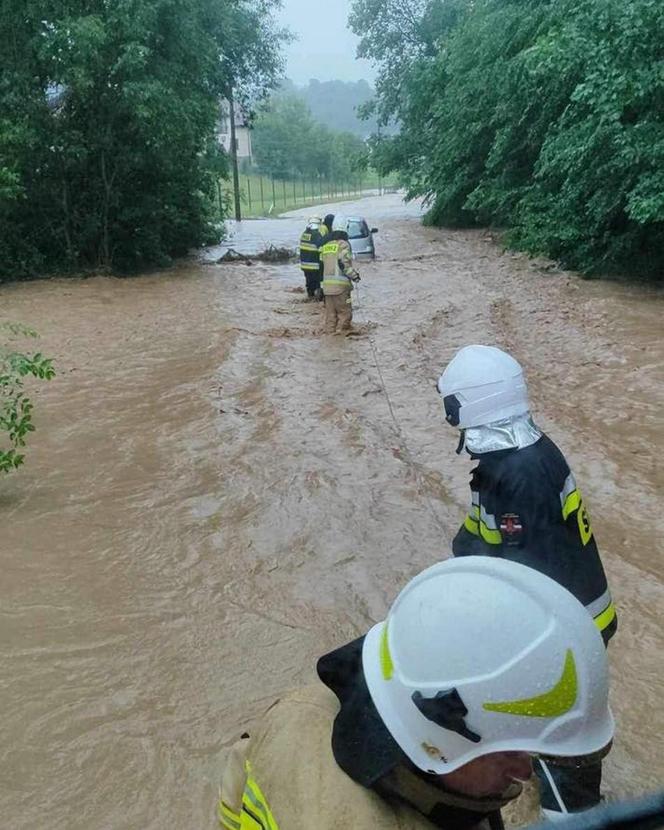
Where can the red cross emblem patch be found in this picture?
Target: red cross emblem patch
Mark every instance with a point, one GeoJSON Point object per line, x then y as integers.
{"type": "Point", "coordinates": [511, 528]}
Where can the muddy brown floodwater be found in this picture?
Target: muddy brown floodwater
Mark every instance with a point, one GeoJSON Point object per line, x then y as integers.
{"type": "Point", "coordinates": [216, 495]}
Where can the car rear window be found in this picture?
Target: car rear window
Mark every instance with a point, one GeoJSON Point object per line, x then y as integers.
{"type": "Point", "coordinates": [357, 230]}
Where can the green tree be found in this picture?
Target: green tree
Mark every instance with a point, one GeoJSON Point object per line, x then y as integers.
{"type": "Point", "coordinates": [282, 133]}
{"type": "Point", "coordinates": [289, 143]}
{"type": "Point", "coordinates": [543, 117]}
{"type": "Point", "coordinates": [335, 104]}
{"type": "Point", "coordinates": [109, 112]}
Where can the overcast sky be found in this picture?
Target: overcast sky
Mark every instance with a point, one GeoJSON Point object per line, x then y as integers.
{"type": "Point", "coordinates": [325, 48]}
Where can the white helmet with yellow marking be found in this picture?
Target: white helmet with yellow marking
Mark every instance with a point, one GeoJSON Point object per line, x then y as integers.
{"type": "Point", "coordinates": [481, 655]}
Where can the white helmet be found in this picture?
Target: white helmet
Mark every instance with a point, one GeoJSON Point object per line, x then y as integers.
{"type": "Point", "coordinates": [481, 385]}
{"type": "Point", "coordinates": [482, 655]}
{"type": "Point", "coordinates": [314, 221]}
{"type": "Point", "coordinates": [340, 223]}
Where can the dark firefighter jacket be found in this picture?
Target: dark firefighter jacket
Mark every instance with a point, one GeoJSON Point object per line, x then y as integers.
{"type": "Point", "coordinates": [525, 506]}
{"type": "Point", "coordinates": [310, 243]}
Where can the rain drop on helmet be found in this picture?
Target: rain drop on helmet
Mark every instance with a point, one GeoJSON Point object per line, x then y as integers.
{"type": "Point", "coordinates": [481, 655]}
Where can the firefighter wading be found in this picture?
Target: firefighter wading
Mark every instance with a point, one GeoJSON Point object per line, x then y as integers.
{"type": "Point", "coordinates": [338, 277]}
{"type": "Point", "coordinates": [525, 507]}
{"type": "Point", "coordinates": [311, 241]}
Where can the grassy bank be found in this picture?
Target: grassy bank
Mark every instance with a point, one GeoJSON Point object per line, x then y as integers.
{"type": "Point", "coordinates": [264, 196]}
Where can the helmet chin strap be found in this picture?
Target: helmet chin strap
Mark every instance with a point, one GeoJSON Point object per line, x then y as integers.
{"type": "Point", "coordinates": [462, 442]}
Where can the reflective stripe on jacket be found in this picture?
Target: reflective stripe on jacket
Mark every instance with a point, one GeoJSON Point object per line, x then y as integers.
{"type": "Point", "coordinates": [251, 811]}
{"type": "Point", "coordinates": [310, 242]}
{"type": "Point", "coordinates": [337, 259]}
{"type": "Point", "coordinates": [525, 506]}
{"type": "Point", "coordinates": [285, 777]}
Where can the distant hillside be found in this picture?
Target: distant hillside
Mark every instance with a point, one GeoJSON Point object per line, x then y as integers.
{"type": "Point", "coordinates": [334, 103]}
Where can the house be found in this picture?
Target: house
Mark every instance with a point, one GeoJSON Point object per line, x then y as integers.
{"type": "Point", "coordinates": [242, 131]}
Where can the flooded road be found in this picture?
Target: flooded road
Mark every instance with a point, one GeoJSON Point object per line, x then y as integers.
{"type": "Point", "coordinates": [216, 495]}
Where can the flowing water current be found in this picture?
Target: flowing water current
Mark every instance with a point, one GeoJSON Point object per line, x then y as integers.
{"type": "Point", "coordinates": [216, 494]}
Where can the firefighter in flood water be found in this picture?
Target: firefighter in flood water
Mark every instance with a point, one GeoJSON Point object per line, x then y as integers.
{"type": "Point", "coordinates": [311, 240]}
{"type": "Point", "coordinates": [431, 718]}
{"type": "Point", "coordinates": [526, 507]}
{"type": "Point", "coordinates": [338, 277]}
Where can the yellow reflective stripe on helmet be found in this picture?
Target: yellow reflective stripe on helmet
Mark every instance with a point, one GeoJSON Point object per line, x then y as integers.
{"type": "Point", "coordinates": [227, 818]}
{"type": "Point", "coordinates": [386, 664]}
{"type": "Point", "coordinates": [255, 803]}
{"type": "Point", "coordinates": [607, 616]}
{"type": "Point", "coordinates": [472, 525]}
{"type": "Point", "coordinates": [557, 701]}
{"type": "Point", "coordinates": [572, 503]}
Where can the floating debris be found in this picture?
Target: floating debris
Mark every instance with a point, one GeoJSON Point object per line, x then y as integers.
{"type": "Point", "coordinates": [271, 254]}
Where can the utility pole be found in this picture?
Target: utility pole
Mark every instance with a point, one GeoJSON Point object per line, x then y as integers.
{"type": "Point", "coordinates": [236, 174]}
{"type": "Point", "coordinates": [380, 177]}
{"type": "Point", "coordinates": [380, 185]}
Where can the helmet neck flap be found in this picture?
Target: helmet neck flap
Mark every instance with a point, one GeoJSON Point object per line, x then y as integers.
{"type": "Point", "coordinates": [515, 433]}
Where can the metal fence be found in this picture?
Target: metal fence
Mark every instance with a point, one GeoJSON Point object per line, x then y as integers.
{"type": "Point", "coordinates": [266, 195]}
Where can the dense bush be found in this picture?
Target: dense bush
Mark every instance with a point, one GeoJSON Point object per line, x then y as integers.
{"type": "Point", "coordinates": [107, 121]}
{"type": "Point", "coordinates": [542, 116]}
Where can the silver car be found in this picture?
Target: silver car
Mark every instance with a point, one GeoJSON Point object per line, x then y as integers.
{"type": "Point", "coordinates": [361, 238]}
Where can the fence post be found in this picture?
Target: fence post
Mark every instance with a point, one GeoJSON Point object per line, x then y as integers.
{"type": "Point", "coordinates": [274, 195]}
{"type": "Point", "coordinates": [249, 191]}
{"type": "Point", "coordinates": [260, 179]}
{"type": "Point", "coordinates": [221, 206]}
{"type": "Point", "coordinates": [283, 188]}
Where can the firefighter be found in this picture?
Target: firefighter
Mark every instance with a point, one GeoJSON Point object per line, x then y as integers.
{"type": "Point", "coordinates": [310, 243]}
{"type": "Point", "coordinates": [430, 719]}
{"type": "Point", "coordinates": [338, 277]}
{"type": "Point", "coordinates": [526, 507]}
{"type": "Point", "coordinates": [328, 221]}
